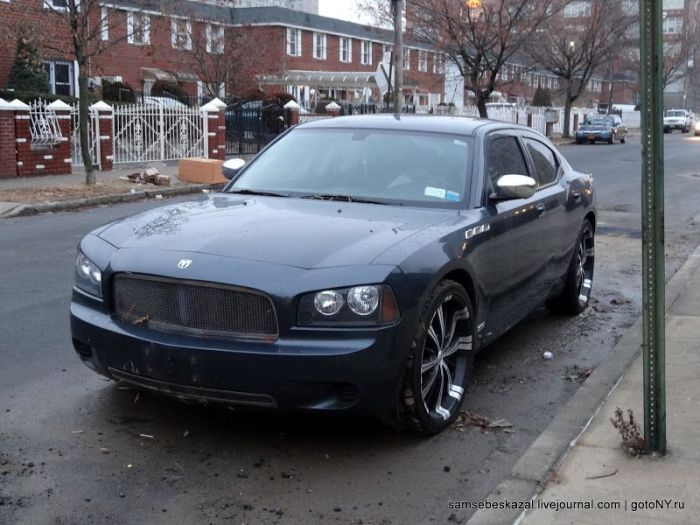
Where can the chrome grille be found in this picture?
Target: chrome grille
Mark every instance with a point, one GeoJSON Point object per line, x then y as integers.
{"type": "Point", "coordinates": [193, 307]}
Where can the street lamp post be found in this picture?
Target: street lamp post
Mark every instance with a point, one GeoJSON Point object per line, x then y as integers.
{"type": "Point", "coordinates": [653, 256]}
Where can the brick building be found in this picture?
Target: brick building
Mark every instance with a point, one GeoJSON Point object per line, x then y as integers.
{"type": "Point", "coordinates": [272, 48]}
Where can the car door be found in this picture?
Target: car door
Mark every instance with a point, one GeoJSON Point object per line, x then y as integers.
{"type": "Point", "coordinates": [515, 257]}
{"type": "Point", "coordinates": [547, 171]}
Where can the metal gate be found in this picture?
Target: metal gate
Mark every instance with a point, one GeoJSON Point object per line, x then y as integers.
{"type": "Point", "coordinates": [154, 132]}
{"type": "Point", "coordinates": [76, 150]}
{"type": "Point", "coordinates": [249, 129]}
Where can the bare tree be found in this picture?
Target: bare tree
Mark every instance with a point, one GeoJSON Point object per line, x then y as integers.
{"type": "Point", "coordinates": [678, 57]}
{"type": "Point", "coordinates": [574, 48]}
{"type": "Point", "coordinates": [480, 36]}
{"type": "Point", "coordinates": [226, 54]}
{"type": "Point", "coordinates": [83, 22]}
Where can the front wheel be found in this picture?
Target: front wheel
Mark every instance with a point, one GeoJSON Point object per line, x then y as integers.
{"type": "Point", "coordinates": [579, 279]}
{"type": "Point", "coordinates": [440, 361]}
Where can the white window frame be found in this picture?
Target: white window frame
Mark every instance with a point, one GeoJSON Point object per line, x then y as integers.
{"type": "Point", "coordinates": [215, 34]}
{"type": "Point", "coordinates": [181, 34]}
{"type": "Point", "coordinates": [345, 49]}
{"type": "Point", "coordinates": [52, 74]}
{"type": "Point", "coordinates": [320, 49]}
{"type": "Point", "coordinates": [366, 53]}
{"type": "Point", "coordinates": [146, 29]}
{"type": "Point", "coordinates": [293, 42]}
{"type": "Point", "coordinates": [422, 61]}
{"type": "Point", "coordinates": [406, 62]}
{"type": "Point", "coordinates": [104, 24]}
{"type": "Point", "coordinates": [48, 4]}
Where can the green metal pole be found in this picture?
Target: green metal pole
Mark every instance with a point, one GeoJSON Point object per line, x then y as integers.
{"type": "Point", "coordinates": [653, 256]}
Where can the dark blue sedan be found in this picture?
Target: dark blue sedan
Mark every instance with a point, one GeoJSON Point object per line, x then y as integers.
{"type": "Point", "coordinates": [356, 264]}
{"type": "Point", "coordinates": [605, 128]}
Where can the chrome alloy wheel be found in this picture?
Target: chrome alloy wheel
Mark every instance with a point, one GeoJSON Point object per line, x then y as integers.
{"type": "Point", "coordinates": [445, 358]}
{"type": "Point", "coordinates": [585, 259]}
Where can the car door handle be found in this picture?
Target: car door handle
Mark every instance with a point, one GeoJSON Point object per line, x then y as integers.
{"type": "Point", "coordinates": [541, 209]}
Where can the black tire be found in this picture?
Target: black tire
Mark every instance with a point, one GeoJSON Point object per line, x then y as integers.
{"type": "Point", "coordinates": [623, 140]}
{"type": "Point", "coordinates": [579, 141]}
{"type": "Point", "coordinates": [430, 409]}
{"type": "Point", "coordinates": [611, 140]}
{"type": "Point", "coordinates": [579, 279]}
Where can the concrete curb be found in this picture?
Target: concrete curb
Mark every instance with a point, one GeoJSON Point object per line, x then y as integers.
{"type": "Point", "coordinates": [23, 210]}
{"type": "Point", "coordinates": [535, 467]}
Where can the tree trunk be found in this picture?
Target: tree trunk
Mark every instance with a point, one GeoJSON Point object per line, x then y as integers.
{"type": "Point", "coordinates": [481, 104]}
{"type": "Point", "coordinates": [84, 124]}
{"type": "Point", "coordinates": [567, 113]}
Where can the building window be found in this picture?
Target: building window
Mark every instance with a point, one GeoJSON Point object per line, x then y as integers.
{"type": "Point", "coordinates": [60, 78]}
{"type": "Point", "coordinates": [366, 58]}
{"type": "Point", "coordinates": [215, 39]}
{"type": "Point", "coordinates": [320, 46]}
{"type": "Point", "coordinates": [345, 49]}
{"type": "Point", "coordinates": [104, 24]}
{"type": "Point", "coordinates": [294, 42]}
{"type": "Point", "coordinates": [407, 58]}
{"type": "Point", "coordinates": [673, 4]}
{"type": "Point", "coordinates": [59, 5]}
{"type": "Point", "coordinates": [423, 61]}
{"type": "Point", "coordinates": [138, 27]}
{"type": "Point", "coordinates": [181, 34]}
{"type": "Point", "coordinates": [578, 9]}
{"type": "Point", "coordinates": [673, 25]}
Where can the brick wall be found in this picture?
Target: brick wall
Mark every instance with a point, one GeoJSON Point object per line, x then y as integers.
{"type": "Point", "coordinates": [42, 160]}
{"type": "Point", "coordinates": [8, 148]}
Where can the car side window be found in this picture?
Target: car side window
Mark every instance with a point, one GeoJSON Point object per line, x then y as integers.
{"type": "Point", "coordinates": [503, 157]}
{"type": "Point", "coordinates": [545, 161]}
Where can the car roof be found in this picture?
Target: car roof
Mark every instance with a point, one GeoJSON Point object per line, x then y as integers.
{"type": "Point", "coordinates": [431, 124]}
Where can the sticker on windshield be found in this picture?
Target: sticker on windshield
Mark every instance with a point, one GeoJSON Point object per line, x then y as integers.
{"type": "Point", "coordinates": [452, 196]}
{"type": "Point", "coordinates": [438, 193]}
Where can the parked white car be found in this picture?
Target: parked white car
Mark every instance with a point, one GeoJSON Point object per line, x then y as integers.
{"type": "Point", "coordinates": [677, 119]}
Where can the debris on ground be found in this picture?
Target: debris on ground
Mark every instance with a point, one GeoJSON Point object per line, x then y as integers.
{"type": "Point", "coordinates": [149, 176]}
{"type": "Point", "coordinates": [578, 374]}
{"type": "Point", "coordinates": [620, 301]}
{"type": "Point", "coordinates": [104, 450]}
{"type": "Point", "coordinates": [470, 419]}
{"type": "Point", "coordinates": [547, 355]}
{"type": "Point", "coordinates": [147, 436]}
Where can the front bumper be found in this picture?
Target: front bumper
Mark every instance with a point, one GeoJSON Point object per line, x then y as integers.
{"type": "Point", "coordinates": [593, 136]}
{"type": "Point", "coordinates": [319, 370]}
{"type": "Point", "coordinates": [675, 125]}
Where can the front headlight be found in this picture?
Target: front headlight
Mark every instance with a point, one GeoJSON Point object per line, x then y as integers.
{"type": "Point", "coordinates": [357, 306]}
{"type": "Point", "coordinates": [88, 276]}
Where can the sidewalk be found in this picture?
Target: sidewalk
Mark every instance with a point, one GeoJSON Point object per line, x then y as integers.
{"type": "Point", "coordinates": [595, 470]}
{"type": "Point", "coordinates": [40, 194]}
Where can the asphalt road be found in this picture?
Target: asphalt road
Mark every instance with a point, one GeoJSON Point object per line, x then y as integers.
{"type": "Point", "coordinates": [76, 449]}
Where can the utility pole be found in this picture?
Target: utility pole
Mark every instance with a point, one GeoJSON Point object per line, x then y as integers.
{"type": "Point", "coordinates": [653, 255]}
{"type": "Point", "coordinates": [397, 10]}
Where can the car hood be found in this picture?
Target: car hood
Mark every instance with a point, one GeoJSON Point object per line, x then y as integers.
{"type": "Point", "coordinates": [292, 232]}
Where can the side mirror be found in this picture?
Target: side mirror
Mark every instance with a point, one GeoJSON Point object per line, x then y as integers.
{"type": "Point", "coordinates": [514, 187]}
{"type": "Point", "coordinates": [231, 167]}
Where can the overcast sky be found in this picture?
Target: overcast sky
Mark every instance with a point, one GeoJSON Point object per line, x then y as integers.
{"type": "Point", "coordinates": [343, 9]}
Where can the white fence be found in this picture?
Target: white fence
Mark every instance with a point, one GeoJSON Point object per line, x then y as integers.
{"type": "Point", "coordinates": [43, 124]}
{"type": "Point", "coordinates": [144, 133]}
{"type": "Point", "coordinates": [631, 119]}
{"type": "Point", "coordinates": [153, 132]}
{"type": "Point", "coordinates": [76, 149]}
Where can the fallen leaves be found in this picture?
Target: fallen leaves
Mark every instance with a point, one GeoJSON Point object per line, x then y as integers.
{"type": "Point", "coordinates": [470, 419]}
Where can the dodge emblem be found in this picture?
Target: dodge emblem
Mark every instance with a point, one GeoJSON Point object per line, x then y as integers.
{"type": "Point", "coordinates": [184, 263]}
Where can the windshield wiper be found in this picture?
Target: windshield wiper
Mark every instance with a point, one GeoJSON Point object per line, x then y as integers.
{"type": "Point", "coordinates": [337, 197]}
{"type": "Point", "coordinates": [258, 192]}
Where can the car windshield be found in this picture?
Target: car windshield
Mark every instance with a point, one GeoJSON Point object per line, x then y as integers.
{"type": "Point", "coordinates": [599, 121]}
{"type": "Point", "coordinates": [387, 166]}
{"type": "Point", "coordinates": [675, 114]}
